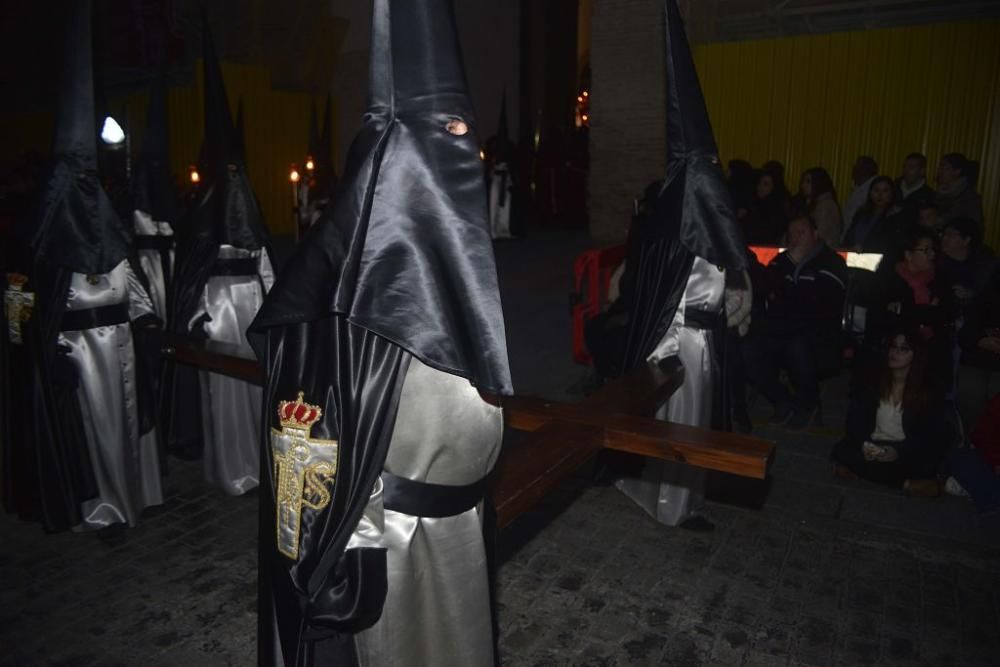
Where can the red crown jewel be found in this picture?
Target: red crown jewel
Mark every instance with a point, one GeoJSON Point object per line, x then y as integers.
{"type": "Point", "coordinates": [298, 414]}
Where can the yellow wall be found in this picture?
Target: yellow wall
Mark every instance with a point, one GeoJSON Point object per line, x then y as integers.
{"type": "Point", "coordinates": [276, 122]}
{"type": "Point", "coordinates": [825, 99]}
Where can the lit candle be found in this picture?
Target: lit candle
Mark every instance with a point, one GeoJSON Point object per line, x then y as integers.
{"type": "Point", "coordinates": [195, 176]}
{"type": "Point", "coordinates": [294, 177]}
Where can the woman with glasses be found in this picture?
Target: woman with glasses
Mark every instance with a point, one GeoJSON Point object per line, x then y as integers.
{"type": "Point", "coordinates": [895, 434]}
{"type": "Point", "coordinates": [907, 294]}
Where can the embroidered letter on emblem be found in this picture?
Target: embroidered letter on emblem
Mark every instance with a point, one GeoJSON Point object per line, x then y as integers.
{"type": "Point", "coordinates": [304, 469]}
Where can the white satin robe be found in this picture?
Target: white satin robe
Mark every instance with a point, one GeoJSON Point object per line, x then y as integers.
{"type": "Point", "coordinates": [437, 611]}
{"type": "Point", "coordinates": [672, 492]}
{"type": "Point", "coordinates": [231, 408]}
{"type": "Point", "coordinates": [126, 466]}
{"type": "Point", "coordinates": [151, 262]}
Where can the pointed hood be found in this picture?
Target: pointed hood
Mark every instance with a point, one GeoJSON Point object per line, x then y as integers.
{"type": "Point", "coordinates": [78, 227]}
{"type": "Point", "coordinates": [405, 250]}
{"type": "Point", "coordinates": [152, 183]}
{"type": "Point", "coordinates": [220, 144]}
{"type": "Point", "coordinates": [695, 192]}
{"type": "Point", "coordinates": [228, 210]}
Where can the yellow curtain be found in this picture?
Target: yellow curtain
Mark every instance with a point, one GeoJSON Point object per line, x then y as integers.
{"type": "Point", "coordinates": [822, 100]}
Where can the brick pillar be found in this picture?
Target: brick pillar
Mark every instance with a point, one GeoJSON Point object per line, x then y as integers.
{"type": "Point", "coordinates": [628, 126]}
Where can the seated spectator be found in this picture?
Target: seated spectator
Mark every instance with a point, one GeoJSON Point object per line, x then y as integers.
{"type": "Point", "coordinates": [907, 294]}
{"type": "Point", "coordinates": [979, 339]}
{"type": "Point", "coordinates": [976, 469]}
{"type": "Point", "coordinates": [863, 174]}
{"type": "Point", "coordinates": [956, 194]}
{"type": "Point", "coordinates": [965, 264]}
{"type": "Point", "coordinates": [767, 215]}
{"type": "Point", "coordinates": [800, 334]}
{"type": "Point", "coordinates": [876, 225]}
{"type": "Point", "coordinates": [818, 200]}
{"type": "Point", "coordinates": [895, 433]}
{"type": "Point", "coordinates": [911, 188]}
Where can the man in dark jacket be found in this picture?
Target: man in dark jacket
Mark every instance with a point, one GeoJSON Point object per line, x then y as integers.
{"type": "Point", "coordinates": [911, 188]}
{"type": "Point", "coordinates": [801, 332]}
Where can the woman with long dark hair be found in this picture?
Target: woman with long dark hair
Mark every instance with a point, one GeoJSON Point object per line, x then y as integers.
{"type": "Point", "coordinates": [895, 433]}
{"type": "Point", "coordinates": [870, 226]}
{"type": "Point", "coordinates": [818, 200]}
{"type": "Point", "coordinates": [767, 215]}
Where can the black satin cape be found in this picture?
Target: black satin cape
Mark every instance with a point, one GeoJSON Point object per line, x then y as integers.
{"type": "Point", "coordinates": [310, 609]}
{"type": "Point", "coordinates": [400, 264]}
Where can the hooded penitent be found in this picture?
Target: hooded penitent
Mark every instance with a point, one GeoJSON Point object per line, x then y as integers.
{"type": "Point", "coordinates": [154, 201]}
{"type": "Point", "coordinates": [89, 300]}
{"type": "Point", "coordinates": [375, 341]}
{"type": "Point", "coordinates": [501, 186]}
{"type": "Point", "coordinates": [223, 273]}
{"type": "Point", "coordinates": [674, 286]}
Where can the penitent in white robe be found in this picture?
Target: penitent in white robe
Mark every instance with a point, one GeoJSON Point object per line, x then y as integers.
{"type": "Point", "coordinates": [126, 466]}
{"type": "Point", "coordinates": [673, 492]}
{"type": "Point", "coordinates": [231, 407]}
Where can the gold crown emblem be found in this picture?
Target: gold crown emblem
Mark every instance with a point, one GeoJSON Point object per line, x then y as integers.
{"type": "Point", "coordinates": [16, 280]}
{"type": "Point", "coordinates": [298, 414]}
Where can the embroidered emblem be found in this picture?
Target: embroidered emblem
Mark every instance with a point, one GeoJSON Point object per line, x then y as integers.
{"type": "Point", "coordinates": [93, 279]}
{"type": "Point", "coordinates": [18, 305]}
{"type": "Point", "coordinates": [304, 469]}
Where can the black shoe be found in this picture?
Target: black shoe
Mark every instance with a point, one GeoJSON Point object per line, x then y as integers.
{"type": "Point", "coordinates": [698, 524]}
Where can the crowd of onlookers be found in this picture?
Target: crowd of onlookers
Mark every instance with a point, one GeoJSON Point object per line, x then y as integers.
{"type": "Point", "coordinates": [919, 328]}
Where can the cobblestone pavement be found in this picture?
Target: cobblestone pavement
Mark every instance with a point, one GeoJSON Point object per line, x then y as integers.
{"type": "Point", "coordinates": [804, 570]}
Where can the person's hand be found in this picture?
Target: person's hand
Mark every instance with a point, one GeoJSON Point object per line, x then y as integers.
{"type": "Point", "coordinates": [894, 307]}
{"type": "Point", "coordinates": [990, 344]}
{"type": "Point", "coordinates": [869, 450]}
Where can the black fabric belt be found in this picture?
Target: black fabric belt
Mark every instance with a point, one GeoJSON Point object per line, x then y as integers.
{"type": "Point", "coordinates": [429, 500]}
{"type": "Point", "coordinates": [245, 266]}
{"type": "Point", "coordinates": [695, 318]}
{"type": "Point", "coordinates": [91, 318]}
{"type": "Point", "coordinates": [150, 242]}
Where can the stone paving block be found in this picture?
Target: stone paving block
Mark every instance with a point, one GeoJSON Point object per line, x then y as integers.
{"type": "Point", "coordinates": [641, 650]}
{"type": "Point", "coordinates": [900, 650]}
{"type": "Point", "coordinates": [731, 645]}
{"type": "Point", "coordinates": [861, 625]}
{"type": "Point", "coordinates": [851, 650]}
{"type": "Point", "coordinates": [689, 646]}
{"type": "Point", "coordinates": [813, 639]}
{"type": "Point", "coordinates": [757, 658]}
{"type": "Point", "coordinates": [771, 638]}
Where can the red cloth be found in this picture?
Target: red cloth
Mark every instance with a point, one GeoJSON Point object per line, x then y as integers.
{"type": "Point", "coordinates": [986, 435]}
{"type": "Point", "coordinates": [919, 282]}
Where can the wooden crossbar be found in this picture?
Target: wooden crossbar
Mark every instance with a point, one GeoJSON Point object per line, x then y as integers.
{"type": "Point", "coordinates": [561, 437]}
